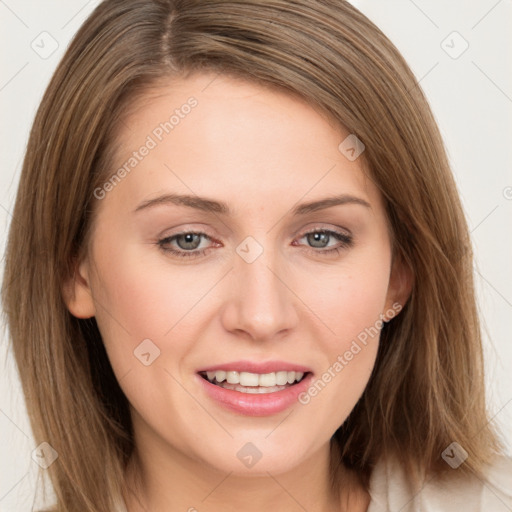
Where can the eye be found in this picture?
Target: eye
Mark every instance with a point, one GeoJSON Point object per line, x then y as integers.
{"type": "Point", "coordinates": [319, 239]}
{"type": "Point", "coordinates": [187, 244]}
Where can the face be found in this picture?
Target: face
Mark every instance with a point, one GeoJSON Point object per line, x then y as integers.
{"type": "Point", "coordinates": [252, 277]}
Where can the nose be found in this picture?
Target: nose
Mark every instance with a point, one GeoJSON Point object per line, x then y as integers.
{"type": "Point", "coordinates": [261, 303]}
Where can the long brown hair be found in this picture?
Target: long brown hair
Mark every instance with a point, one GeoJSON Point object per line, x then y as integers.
{"type": "Point", "coordinates": [427, 387]}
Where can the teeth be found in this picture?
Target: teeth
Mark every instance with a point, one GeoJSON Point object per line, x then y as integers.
{"type": "Point", "coordinates": [233, 377]}
{"type": "Point", "coordinates": [211, 375]}
{"type": "Point", "coordinates": [249, 379]}
{"type": "Point", "coordinates": [281, 378]}
{"type": "Point", "coordinates": [252, 390]}
{"type": "Point", "coordinates": [269, 380]}
{"type": "Point", "coordinates": [266, 380]}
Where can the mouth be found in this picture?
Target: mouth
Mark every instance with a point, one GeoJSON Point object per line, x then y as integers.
{"type": "Point", "coordinates": [254, 383]}
{"type": "Point", "coordinates": [255, 388]}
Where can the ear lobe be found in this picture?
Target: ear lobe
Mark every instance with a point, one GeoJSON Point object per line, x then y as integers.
{"type": "Point", "coordinates": [77, 293]}
{"type": "Point", "coordinates": [400, 286]}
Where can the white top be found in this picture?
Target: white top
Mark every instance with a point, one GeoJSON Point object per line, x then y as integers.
{"type": "Point", "coordinates": [390, 492]}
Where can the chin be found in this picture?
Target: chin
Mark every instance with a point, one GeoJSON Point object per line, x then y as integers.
{"type": "Point", "coordinates": [258, 457]}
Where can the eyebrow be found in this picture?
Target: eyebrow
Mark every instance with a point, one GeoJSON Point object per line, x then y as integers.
{"type": "Point", "coordinates": [212, 206]}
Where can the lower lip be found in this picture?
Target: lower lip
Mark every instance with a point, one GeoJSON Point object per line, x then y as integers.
{"type": "Point", "coordinates": [256, 405]}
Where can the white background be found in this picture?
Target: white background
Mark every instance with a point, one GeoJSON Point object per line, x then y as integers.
{"type": "Point", "coordinates": [471, 97]}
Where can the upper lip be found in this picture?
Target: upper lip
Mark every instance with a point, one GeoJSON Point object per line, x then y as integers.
{"type": "Point", "coordinates": [257, 367]}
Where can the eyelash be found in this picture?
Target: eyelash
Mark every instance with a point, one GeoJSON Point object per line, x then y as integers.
{"type": "Point", "coordinates": [345, 240]}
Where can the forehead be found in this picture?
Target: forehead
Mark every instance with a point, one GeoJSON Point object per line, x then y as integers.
{"type": "Point", "coordinates": [221, 136]}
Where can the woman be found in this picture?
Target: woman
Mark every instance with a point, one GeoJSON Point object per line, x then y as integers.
{"type": "Point", "coordinates": [243, 271]}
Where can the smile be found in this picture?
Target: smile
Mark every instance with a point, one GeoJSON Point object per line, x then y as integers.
{"type": "Point", "coordinates": [254, 383]}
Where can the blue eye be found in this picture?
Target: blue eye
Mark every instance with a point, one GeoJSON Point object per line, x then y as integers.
{"type": "Point", "coordinates": [320, 238]}
{"type": "Point", "coordinates": [187, 243]}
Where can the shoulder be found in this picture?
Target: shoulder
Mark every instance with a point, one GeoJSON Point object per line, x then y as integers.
{"type": "Point", "coordinates": [390, 490]}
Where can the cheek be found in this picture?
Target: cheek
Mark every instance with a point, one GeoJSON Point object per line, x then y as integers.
{"type": "Point", "coordinates": [128, 287]}
{"type": "Point", "coordinates": [129, 305]}
{"type": "Point", "coordinates": [141, 297]}
{"type": "Point", "coordinates": [350, 298]}
{"type": "Point", "coordinates": [351, 305]}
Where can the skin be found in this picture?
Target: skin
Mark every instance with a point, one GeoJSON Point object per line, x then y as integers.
{"type": "Point", "coordinates": [262, 152]}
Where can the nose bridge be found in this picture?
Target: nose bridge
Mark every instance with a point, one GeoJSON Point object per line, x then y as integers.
{"type": "Point", "coordinates": [261, 305]}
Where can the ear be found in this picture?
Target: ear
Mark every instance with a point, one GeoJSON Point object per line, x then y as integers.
{"type": "Point", "coordinates": [399, 289]}
{"type": "Point", "coordinates": [77, 293]}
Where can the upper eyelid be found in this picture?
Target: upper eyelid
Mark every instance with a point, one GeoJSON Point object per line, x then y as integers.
{"type": "Point", "coordinates": [300, 234]}
{"type": "Point", "coordinates": [343, 231]}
